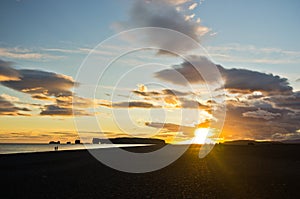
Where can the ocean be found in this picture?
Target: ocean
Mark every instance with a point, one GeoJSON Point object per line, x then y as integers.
{"type": "Point", "coordinates": [32, 148]}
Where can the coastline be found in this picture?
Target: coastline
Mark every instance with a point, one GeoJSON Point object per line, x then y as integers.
{"type": "Point", "coordinates": [8, 148]}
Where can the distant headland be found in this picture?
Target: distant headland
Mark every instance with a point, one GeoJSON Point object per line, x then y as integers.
{"type": "Point", "coordinates": [128, 140]}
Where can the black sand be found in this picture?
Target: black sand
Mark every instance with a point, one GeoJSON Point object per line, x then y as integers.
{"type": "Point", "coordinates": [271, 171]}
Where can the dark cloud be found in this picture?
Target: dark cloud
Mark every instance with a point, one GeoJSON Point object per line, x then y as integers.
{"type": "Point", "coordinates": [7, 73]}
{"type": "Point", "coordinates": [146, 93]}
{"type": "Point", "coordinates": [245, 81]}
{"type": "Point", "coordinates": [236, 80]}
{"type": "Point", "coordinates": [55, 110]}
{"type": "Point", "coordinates": [161, 93]}
{"type": "Point", "coordinates": [132, 104]}
{"type": "Point", "coordinates": [190, 73]}
{"type": "Point", "coordinates": [261, 114]}
{"type": "Point", "coordinates": [41, 97]}
{"type": "Point", "coordinates": [291, 102]}
{"type": "Point", "coordinates": [42, 82]}
{"type": "Point", "coordinates": [8, 108]}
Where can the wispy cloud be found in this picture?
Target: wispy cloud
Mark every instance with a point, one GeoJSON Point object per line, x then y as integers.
{"type": "Point", "coordinates": [238, 53]}
{"type": "Point", "coordinates": [108, 50]}
{"type": "Point", "coordinates": [27, 54]}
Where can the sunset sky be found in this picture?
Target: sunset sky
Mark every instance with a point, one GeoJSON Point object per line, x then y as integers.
{"type": "Point", "coordinates": [149, 93]}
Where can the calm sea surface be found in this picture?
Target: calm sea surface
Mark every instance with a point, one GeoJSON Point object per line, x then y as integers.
{"type": "Point", "coordinates": [30, 148]}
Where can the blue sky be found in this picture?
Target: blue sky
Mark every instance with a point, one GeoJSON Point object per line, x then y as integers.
{"type": "Point", "coordinates": [249, 39]}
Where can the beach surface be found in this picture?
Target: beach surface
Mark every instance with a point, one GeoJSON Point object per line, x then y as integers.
{"type": "Point", "coordinates": [267, 171]}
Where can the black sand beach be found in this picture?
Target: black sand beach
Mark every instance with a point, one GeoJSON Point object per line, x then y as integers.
{"type": "Point", "coordinates": [267, 171]}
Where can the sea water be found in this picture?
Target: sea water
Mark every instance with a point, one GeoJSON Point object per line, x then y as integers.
{"type": "Point", "coordinates": [31, 148]}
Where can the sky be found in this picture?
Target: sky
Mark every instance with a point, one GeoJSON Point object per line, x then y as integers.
{"type": "Point", "coordinates": [51, 87]}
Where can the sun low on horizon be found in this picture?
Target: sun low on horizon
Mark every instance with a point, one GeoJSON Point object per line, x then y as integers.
{"type": "Point", "coordinates": [201, 136]}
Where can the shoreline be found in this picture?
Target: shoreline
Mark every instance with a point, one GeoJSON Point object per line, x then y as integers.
{"type": "Point", "coordinates": [84, 147]}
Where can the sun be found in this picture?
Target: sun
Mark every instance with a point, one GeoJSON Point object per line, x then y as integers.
{"type": "Point", "coordinates": [201, 136]}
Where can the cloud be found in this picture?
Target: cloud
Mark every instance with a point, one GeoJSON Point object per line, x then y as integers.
{"type": "Point", "coordinates": [248, 121]}
{"type": "Point", "coordinates": [7, 73]}
{"type": "Point", "coordinates": [40, 96]}
{"type": "Point", "coordinates": [142, 88]}
{"type": "Point", "coordinates": [259, 105]}
{"type": "Point", "coordinates": [261, 114]}
{"type": "Point", "coordinates": [173, 2]}
{"type": "Point", "coordinates": [8, 108]}
{"type": "Point", "coordinates": [188, 131]}
{"type": "Point", "coordinates": [41, 82]}
{"type": "Point", "coordinates": [247, 81]}
{"type": "Point", "coordinates": [161, 93]}
{"type": "Point", "coordinates": [46, 86]}
{"type": "Point", "coordinates": [9, 97]}
{"type": "Point", "coordinates": [237, 53]}
{"type": "Point", "coordinates": [170, 127]}
{"type": "Point", "coordinates": [189, 73]}
{"type": "Point", "coordinates": [193, 6]}
{"type": "Point", "coordinates": [35, 81]}
{"type": "Point", "coordinates": [170, 98]}
{"type": "Point", "coordinates": [291, 102]}
{"type": "Point", "coordinates": [175, 92]}
{"type": "Point", "coordinates": [236, 80]}
{"type": "Point", "coordinates": [193, 104]}
{"type": "Point", "coordinates": [173, 99]}
{"type": "Point", "coordinates": [17, 53]}
{"type": "Point", "coordinates": [132, 104]}
{"type": "Point", "coordinates": [163, 14]}
{"type": "Point", "coordinates": [287, 136]}
{"type": "Point", "coordinates": [67, 106]}
{"type": "Point", "coordinates": [55, 110]}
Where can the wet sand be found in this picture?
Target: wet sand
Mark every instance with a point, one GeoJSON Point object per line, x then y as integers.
{"type": "Point", "coordinates": [271, 171]}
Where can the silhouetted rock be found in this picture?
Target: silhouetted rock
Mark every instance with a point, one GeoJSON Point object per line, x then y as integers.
{"type": "Point", "coordinates": [125, 140]}
{"type": "Point", "coordinates": [68, 142]}
{"type": "Point", "coordinates": [53, 142]}
{"type": "Point", "coordinates": [77, 141]}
